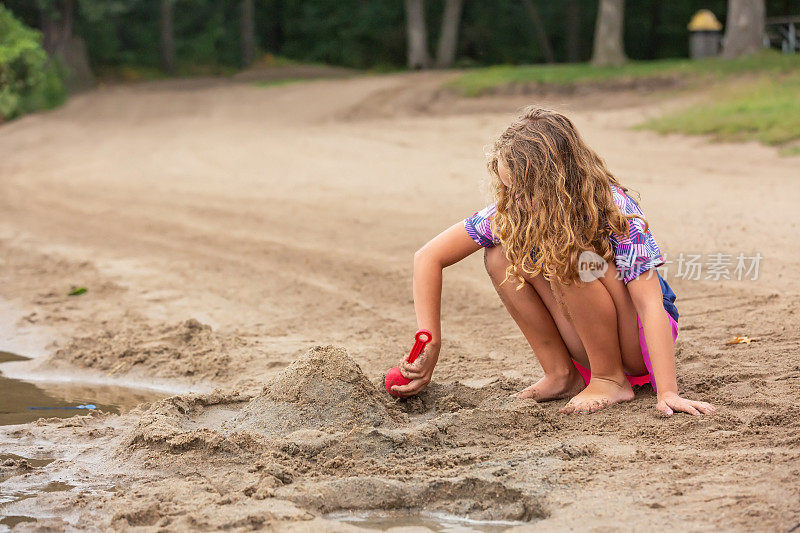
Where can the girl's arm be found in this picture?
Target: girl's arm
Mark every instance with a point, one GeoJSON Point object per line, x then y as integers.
{"type": "Point", "coordinates": [449, 247]}
{"type": "Point", "coordinates": [645, 291]}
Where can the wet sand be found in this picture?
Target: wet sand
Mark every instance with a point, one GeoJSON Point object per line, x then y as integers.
{"type": "Point", "coordinates": [258, 241]}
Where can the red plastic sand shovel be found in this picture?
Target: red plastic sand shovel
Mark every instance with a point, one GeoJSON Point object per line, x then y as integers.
{"type": "Point", "coordinates": [393, 376]}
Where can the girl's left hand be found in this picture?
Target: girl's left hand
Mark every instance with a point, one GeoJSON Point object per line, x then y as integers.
{"type": "Point", "coordinates": [670, 402]}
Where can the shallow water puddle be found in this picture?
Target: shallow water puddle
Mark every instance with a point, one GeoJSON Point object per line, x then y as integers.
{"type": "Point", "coordinates": [35, 463]}
{"type": "Point", "coordinates": [11, 520]}
{"type": "Point", "coordinates": [439, 522]}
{"type": "Point", "coordinates": [60, 399]}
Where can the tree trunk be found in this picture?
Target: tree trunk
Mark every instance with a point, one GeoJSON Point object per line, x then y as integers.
{"type": "Point", "coordinates": [448, 40]}
{"type": "Point", "coordinates": [248, 33]}
{"type": "Point", "coordinates": [541, 34]}
{"type": "Point", "coordinates": [167, 37]}
{"type": "Point", "coordinates": [57, 31]}
{"type": "Point", "coordinates": [59, 42]}
{"type": "Point", "coordinates": [654, 43]}
{"type": "Point", "coordinates": [744, 31]}
{"type": "Point", "coordinates": [417, 35]}
{"type": "Point", "coordinates": [608, 47]}
{"type": "Point", "coordinates": [573, 31]}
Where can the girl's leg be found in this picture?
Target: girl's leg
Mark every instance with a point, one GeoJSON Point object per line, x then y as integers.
{"type": "Point", "coordinates": [627, 323]}
{"type": "Point", "coordinates": [591, 309]}
{"type": "Point", "coordinates": [549, 333]}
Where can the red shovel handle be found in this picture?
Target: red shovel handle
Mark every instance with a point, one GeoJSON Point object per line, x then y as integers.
{"type": "Point", "coordinates": [422, 337]}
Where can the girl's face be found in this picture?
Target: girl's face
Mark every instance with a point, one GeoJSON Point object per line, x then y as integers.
{"type": "Point", "coordinates": [505, 175]}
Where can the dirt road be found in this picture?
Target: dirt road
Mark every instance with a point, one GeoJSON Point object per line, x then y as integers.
{"type": "Point", "coordinates": [223, 230]}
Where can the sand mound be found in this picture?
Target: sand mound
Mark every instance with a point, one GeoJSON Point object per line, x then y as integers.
{"type": "Point", "coordinates": [323, 410]}
{"type": "Point", "coordinates": [188, 348]}
{"type": "Point", "coordinates": [308, 407]}
{"type": "Point", "coordinates": [322, 390]}
{"type": "Point", "coordinates": [322, 436]}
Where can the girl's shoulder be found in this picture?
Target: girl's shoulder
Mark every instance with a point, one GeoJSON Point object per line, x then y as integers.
{"type": "Point", "coordinates": [479, 226]}
{"type": "Point", "coordinates": [486, 213]}
{"type": "Point", "coordinates": [626, 204]}
{"type": "Point", "coordinates": [619, 195]}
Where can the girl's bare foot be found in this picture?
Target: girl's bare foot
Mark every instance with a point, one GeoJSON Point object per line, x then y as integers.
{"type": "Point", "coordinates": [599, 394]}
{"type": "Point", "coordinates": [554, 388]}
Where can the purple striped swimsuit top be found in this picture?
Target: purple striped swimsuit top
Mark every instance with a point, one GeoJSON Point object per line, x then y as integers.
{"type": "Point", "coordinates": [635, 253]}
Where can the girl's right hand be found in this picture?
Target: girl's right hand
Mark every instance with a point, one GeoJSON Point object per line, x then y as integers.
{"type": "Point", "coordinates": [419, 372]}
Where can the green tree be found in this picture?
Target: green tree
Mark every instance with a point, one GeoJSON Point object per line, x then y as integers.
{"type": "Point", "coordinates": [28, 80]}
{"type": "Point", "coordinates": [573, 31]}
{"type": "Point", "coordinates": [363, 34]}
{"type": "Point", "coordinates": [541, 32]}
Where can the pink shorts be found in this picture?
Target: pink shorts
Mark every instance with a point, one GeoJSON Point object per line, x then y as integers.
{"type": "Point", "coordinates": [636, 380]}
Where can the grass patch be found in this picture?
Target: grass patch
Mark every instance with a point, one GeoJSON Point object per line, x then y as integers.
{"type": "Point", "coordinates": [789, 151]}
{"type": "Point", "coordinates": [759, 101]}
{"type": "Point", "coordinates": [481, 81]}
{"type": "Point", "coordinates": [766, 109]}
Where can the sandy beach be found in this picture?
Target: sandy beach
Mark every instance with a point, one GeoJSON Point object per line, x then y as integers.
{"type": "Point", "coordinates": [247, 252]}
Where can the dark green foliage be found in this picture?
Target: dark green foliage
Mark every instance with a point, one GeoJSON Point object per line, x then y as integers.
{"type": "Point", "coordinates": [354, 33]}
{"type": "Point", "coordinates": [28, 80]}
{"type": "Point", "coordinates": [126, 32]}
{"type": "Point", "coordinates": [119, 32]}
{"type": "Point", "coordinates": [366, 33]}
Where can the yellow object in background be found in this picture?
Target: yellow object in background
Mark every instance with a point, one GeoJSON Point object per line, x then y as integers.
{"type": "Point", "coordinates": [704, 20]}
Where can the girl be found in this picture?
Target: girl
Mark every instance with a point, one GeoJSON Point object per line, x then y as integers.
{"type": "Point", "coordinates": [573, 260]}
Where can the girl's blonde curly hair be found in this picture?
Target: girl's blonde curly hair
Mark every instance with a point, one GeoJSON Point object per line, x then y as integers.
{"type": "Point", "coordinates": [559, 203]}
